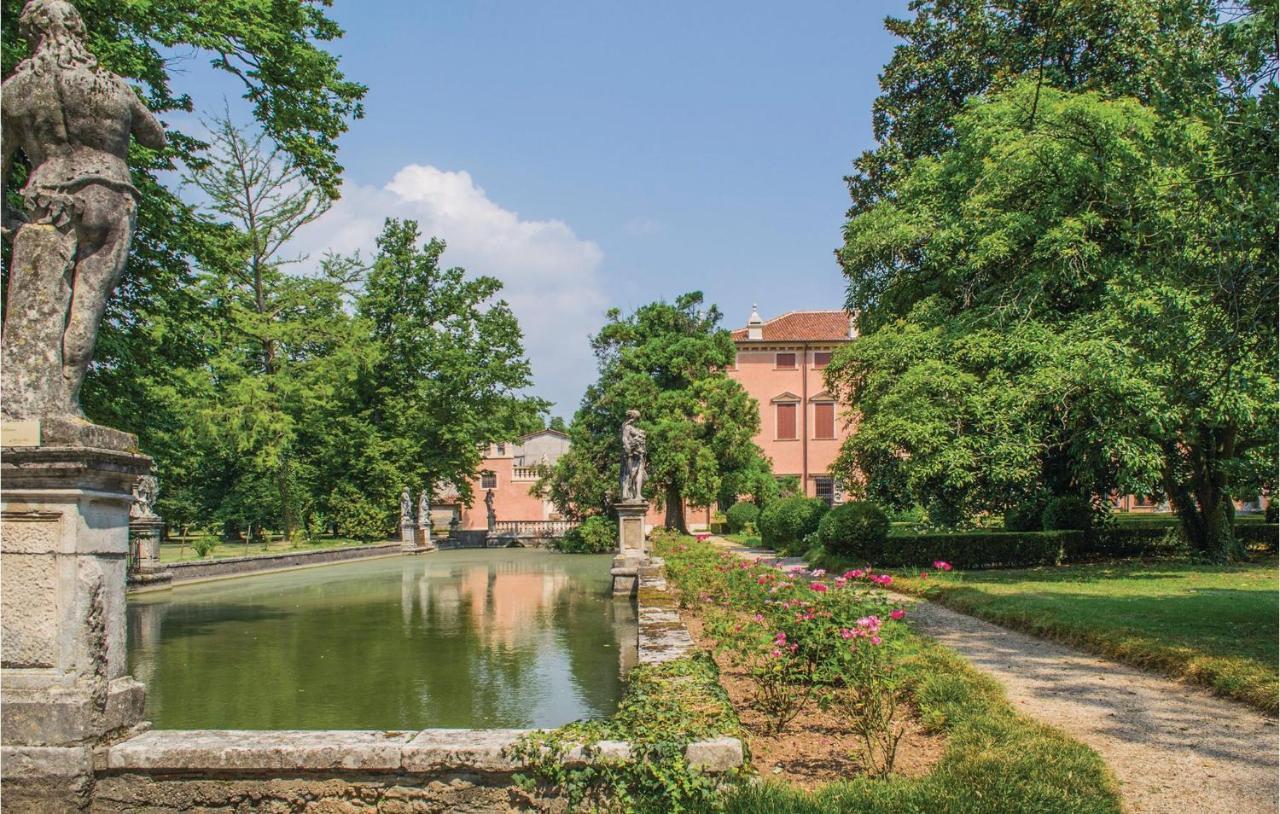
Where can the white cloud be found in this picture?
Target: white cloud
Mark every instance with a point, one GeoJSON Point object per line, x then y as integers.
{"type": "Point", "coordinates": [550, 275]}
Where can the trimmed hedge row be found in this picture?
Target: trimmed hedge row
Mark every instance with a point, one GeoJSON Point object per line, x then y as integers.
{"type": "Point", "coordinates": [976, 549]}
{"type": "Point", "coordinates": [1008, 549]}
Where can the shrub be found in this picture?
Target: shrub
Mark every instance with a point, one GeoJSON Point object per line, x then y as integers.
{"type": "Point", "coordinates": [1272, 513]}
{"type": "Point", "coordinates": [1026, 516]}
{"type": "Point", "coordinates": [1258, 535]}
{"type": "Point", "coordinates": [357, 517]}
{"type": "Point", "coordinates": [596, 535]}
{"type": "Point", "coordinates": [202, 545]}
{"type": "Point", "coordinates": [1128, 540]}
{"type": "Point", "coordinates": [1067, 513]}
{"type": "Point", "coordinates": [976, 549]}
{"type": "Point", "coordinates": [785, 523]}
{"type": "Point", "coordinates": [854, 529]}
{"type": "Point", "coordinates": [742, 514]}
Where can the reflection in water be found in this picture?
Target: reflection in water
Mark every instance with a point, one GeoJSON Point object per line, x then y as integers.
{"type": "Point", "coordinates": [506, 638]}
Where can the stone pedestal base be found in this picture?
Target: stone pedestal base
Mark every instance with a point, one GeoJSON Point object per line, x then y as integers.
{"type": "Point", "coordinates": [419, 542]}
{"type": "Point", "coordinates": [64, 512]}
{"type": "Point", "coordinates": [631, 550]}
{"type": "Point", "coordinates": [144, 545]}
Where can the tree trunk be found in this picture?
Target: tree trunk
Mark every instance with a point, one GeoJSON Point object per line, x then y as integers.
{"type": "Point", "coordinates": [1200, 498]}
{"type": "Point", "coordinates": [675, 511]}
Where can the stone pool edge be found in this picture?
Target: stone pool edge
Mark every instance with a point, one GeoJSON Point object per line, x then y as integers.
{"type": "Point", "coordinates": [466, 769]}
{"type": "Point", "coordinates": [190, 572]}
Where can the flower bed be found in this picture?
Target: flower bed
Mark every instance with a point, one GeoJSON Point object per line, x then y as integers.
{"type": "Point", "coordinates": [812, 650]}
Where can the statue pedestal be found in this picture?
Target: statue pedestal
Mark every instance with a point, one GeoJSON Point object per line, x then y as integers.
{"type": "Point", "coordinates": [144, 538]}
{"type": "Point", "coordinates": [64, 537]}
{"type": "Point", "coordinates": [419, 541]}
{"type": "Point", "coordinates": [631, 551]}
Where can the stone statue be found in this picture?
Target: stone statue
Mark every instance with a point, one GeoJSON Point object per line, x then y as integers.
{"type": "Point", "coordinates": [634, 453]}
{"type": "Point", "coordinates": [72, 120]}
{"type": "Point", "coordinates": [490, 512]}
{"type": "Point", "coordinates": [424, 510]}
{"type": "Point", "coordinates": [145, 490]}
{"type": "Point", "coordinates": [406, 507]}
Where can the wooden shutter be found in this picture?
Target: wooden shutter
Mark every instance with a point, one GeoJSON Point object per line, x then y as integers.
{"type": "Point", "coordinates": [786, 361]}
{"type": "Point", "coordinates": [786, 422]}
{"type": "Point", "coordinates": [824, 420]}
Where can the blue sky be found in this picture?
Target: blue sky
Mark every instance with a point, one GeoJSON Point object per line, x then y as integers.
{"type": "Point", "coordinates": [597, 154]}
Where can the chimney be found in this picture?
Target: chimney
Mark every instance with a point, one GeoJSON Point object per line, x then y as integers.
{"type": "Point", "coordinates": [755, 325]}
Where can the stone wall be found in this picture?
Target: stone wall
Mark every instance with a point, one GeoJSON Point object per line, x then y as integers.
{"type": "Point", "coordinates": [238, 566]}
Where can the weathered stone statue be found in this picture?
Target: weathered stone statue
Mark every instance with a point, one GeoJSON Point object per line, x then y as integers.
{"type": "Point", "coordinates": [490, 513]}
{"type": "Point", "coordinates": [424, 510]}
{"type": "Point", "coordinates": [634, 455]}
{"type": "Point", "coordinates": [72, 120]}
{"type": "Point", "coordinates": [406, 507]}
{"type": "Point", "coordinates": [145, 491]}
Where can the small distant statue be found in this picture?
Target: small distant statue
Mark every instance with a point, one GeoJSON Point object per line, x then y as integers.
{"type": "Point", "coordinates": [145, 491]}
{"type": "Point", "coordinates": [492, 514]}
{"type": "Point", "coordinates": [634, 454]}
{"type": "Point", "coordinates": [72, 119]}
{"type": "Point", "coordinates": [424, 510]}
{"type": "Point", "coordinates": [406, 507]}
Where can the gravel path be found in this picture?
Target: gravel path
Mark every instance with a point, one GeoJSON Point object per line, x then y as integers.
{"type": "Point", "coordinates": [1174, 748]}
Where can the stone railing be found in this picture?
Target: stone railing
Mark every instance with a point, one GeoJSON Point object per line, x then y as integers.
{"type": "Point", "coordinates": [525, 473]}
{"type": "Point", "coordinates": [532, 529]}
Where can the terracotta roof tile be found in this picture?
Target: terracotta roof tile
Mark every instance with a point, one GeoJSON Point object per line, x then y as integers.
{"type": "Point", "coordinates": [803, 326]}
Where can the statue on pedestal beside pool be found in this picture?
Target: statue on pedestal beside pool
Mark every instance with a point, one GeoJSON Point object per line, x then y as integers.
{"type": "Point", "coordinates": [634, 454]}
{"type": "Point", "coordinates": [424, 510]}
{"type": "Point", "coordinates": [72, 120]}
{"type": "Point", "coordinates": [406, 507]}
{"type": "Point", "coordinates": [491, 514]}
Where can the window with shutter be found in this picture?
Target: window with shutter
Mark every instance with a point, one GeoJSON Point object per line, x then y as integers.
{"type": "Point", "coordinates": [786, 422]}
{"type": "Point", "coordinates": [786, 361]}
{"type": "Point", "coordinates": [824, 420]}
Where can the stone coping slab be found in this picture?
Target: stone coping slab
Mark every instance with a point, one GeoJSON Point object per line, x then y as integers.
{"type": "Point", "coordinates": [663, 636]}
{"type": "Point", "coordinates": [428, 751]}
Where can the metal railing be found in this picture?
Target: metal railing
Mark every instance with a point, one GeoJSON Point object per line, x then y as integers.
{"type": "Point", "coordinates": [535, 529]}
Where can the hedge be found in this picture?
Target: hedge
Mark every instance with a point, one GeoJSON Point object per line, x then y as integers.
{"type": "Point", "coordinates": [975, 549]}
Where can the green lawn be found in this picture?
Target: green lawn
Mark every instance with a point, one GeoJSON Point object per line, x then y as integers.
{"type": "Point", "coordinates": [748, 540]}
{"type": "Point", "coordinates": [183, 552]}
{"type": "Point", "coordinates": [1215, 625]}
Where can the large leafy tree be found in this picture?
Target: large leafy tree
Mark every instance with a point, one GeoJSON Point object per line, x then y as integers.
{"type": "Point", "coordinates": [159, 331]}
{"type": "Point", "coordinates": [1079, 289]}
{"type": "Point", "coordinates": [668, 361]}
{"type": "Point", "coordinates": [1163, 52]}
{"type": "Point", "coordinates": [442, 373]}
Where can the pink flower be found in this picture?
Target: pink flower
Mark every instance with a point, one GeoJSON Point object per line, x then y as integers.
{"type": "Point", "coordinates": [820, 587]}
{"type": "Point", "coordinates": [781, 638]}
{"type": "Point", "coordinates": [818, 572]}
{"type": "Point", "coordinates": [846, 633]}
{"type": "Point", "coordinates": [897, 614]}
{"type": "Point", "coordinates": [875, 640]}
{"type": "Point", "coordinates": [942, 565]}
{"type": "Point", "coordinates": [777, 654]}
{"type": "Point", "coordinates": [759, 617]}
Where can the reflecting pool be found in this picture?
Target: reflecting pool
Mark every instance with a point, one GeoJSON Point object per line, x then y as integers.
{"type": "Point", "coordinates": [467, 638]}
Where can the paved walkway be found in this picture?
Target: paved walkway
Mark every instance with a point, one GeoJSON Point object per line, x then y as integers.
{"type": "Point", "coordinates": [1175, 748]}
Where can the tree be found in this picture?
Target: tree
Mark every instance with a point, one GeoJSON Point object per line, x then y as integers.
{"type": "Point", "coordinates": [440, 376]}
{"type": "Point", "coordinates": [1159, 51]}
{"type": "Point", "coordinates": [1082, 288]}
{"type": "Point", "coordinates": [159, 332]}
{"type": "Point", "coordinates": [266, 197]}
{"type": "Point", "coordinates": [668, 361]}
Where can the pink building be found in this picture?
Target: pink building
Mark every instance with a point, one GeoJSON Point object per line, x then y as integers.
{"type": "Point", "coordinates": [780, 363]}
{"type": "Point", "coordinates": [511, 470]}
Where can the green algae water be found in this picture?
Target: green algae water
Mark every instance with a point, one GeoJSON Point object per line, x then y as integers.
{"type": "Point", "coordinates": [464, 638]}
